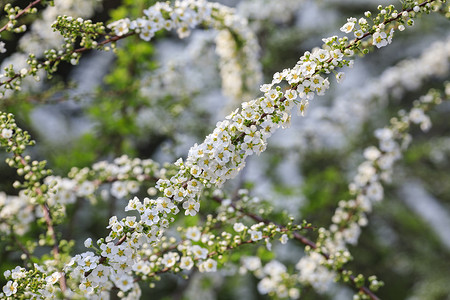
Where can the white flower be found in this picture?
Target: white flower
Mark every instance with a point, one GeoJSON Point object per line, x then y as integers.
{"type": "Point", "coordinates": [238, 227]}
{"type": "Point", "coordinates": [210, 265]}
{"type": "Point", "coordinates": [169, 259]}
{"type": "Point", "coordinates": [284, 239]}
{"type": "Point", "coordinates": [255, 235]}
{"type": "Point", "coordinates": [266, 285]}
{"type": "Point", "coordinates": [108, 250]}
{"type": "Point", "coordinates": [308, 68]}
{"type": "Point", "coordinates": [294, 293]}
{"type": "Point", "coordinates": [425, 125]}
{"type": "Point", "coordinates": [10, 288]}
{"type": "Point", "coordinates": [86, 188]}
{"type": "Point", "coordinates": [124, 282]}
{"type": "Point", "coordinates": [7, 133]}
{"type": "Point", "coordinates": [18, 273]}
{"type": "Point", "coordinates": [132, 187]}
{"type": "Point", "coordinates": [100, 273]}
{"type": "Point", "coordinates": [193, 233]}
{"type": "Point", "coordinates": [275, 269]}
{"type": "Point", "coordinates": [358, 33]}
{"type": "Point", "coordinates": [130, 221]}
{"type": "Point", "coordinates": [375, 191]}
{"type": "Point", "coordinates": [305, 90]}
{"type": "Point", "coordinates": [186, 263]}
{"type": "Point", "coordinates": [372, 153]}
{"type": "Point", "coordinates": [416, 115]}
{"type": "Point", "coordinates": [277, 77]}
{"type": "Point", "coordinates": [88, 243]}
{"type": "Point", "coordinates": [340, 77]}
{"type": "Point", "coordinates": [199, 252]}
{"type": "Point", "coordinates": [120, 27]}
{"type": "Point", "coordinates": [2, 47]}
{"type": "Point", "coordinates": [380, 39]}
{"type": "Point", "coordinates": [52, 279]}
{"type": "Point", "coordinates": [87, 285]}
{"type": "Point", "coordinates": [384, 134]}
{"type": "Point", "coordinates": [89, 262]}
{"type": "Point", "coordinates": [322, 55]}
{"type": "Point", "coordinates": [348, 27]}
{"type": "Point", "coordinates": [251, 263]}
{"type": "Point", "coordinates": [351, 234]}
{"type": "Point", "coordinates": [119, 189]}
{"type": "Point", "coordinates": [191, 207]}
{"type": "Point", "coordinates": [133, 204]}
{"type": "Point", "coordinates": [302, 107]}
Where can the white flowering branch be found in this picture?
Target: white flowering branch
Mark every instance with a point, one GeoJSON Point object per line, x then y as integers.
{"type": "Point", "coordinates": [219, 158]}
{"type": "Point", "coordinates": [366, 189]}
{"type": "Point", "coordinates": [16, 13]}
{"type": "Point", "coordinates": [182, 16]}
{"type": "Point", "coordinates": [15, 140]}
{"type": "Point", "coordinates": [239, 137]}
{"type": "Point", "coordinates": [302, 239]}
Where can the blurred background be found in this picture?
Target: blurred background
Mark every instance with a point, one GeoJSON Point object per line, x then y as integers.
{"type": "Point", "coordinates": [156, 99]}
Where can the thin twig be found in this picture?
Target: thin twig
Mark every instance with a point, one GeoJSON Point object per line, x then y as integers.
{"type": "Point", "coordinates": [297, 236]}
{"type": "Point", "coordinates": [22, 12]}
{"type": "Point", "coordinates": [20, 245]}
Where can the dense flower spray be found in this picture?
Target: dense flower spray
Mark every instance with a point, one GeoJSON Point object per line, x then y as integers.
{"type": "Point", "coordinates": [138, 246]}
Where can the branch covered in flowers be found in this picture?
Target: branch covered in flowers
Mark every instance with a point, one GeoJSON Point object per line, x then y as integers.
{"type": "Point", "coordinates": [237, 43]}
{"type": "Point", "coordinates": [15, 140]}
{"type": "Point", "coordinates": [366, 188]}
{"type": "Point", "coordinates": [219, 158]}
{"type": "Point", "coordinates": [15, 13]}
{"type": "Point", "coordinates": [302, 239]}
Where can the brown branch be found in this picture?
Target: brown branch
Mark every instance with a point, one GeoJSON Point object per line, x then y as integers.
{"type": "Point", "coordinates": [20, 245]}
{"type": "Point", "coordinates": [116, 38]}
{"type": "Point", "coordinates": [297, 236]}
{"type": "Point", "coordinates": [79, 50]}
{"type": "Point", "coordinates": [50, 228]}
{"type": "Point", "coordinates": [22, 12]}
{"type": "Point", "coordinates": [210, 254]}
{"type": "Point", "coordinates": [257, 218]}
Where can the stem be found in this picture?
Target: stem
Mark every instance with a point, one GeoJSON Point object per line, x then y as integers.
{"type": "Point", "coordinates": [20, 245]}
{"type": "Point", "coordinates": [303, 240]}
{"type": "Point", "coordinates": [51, 230]}
{"type": "Point", "coordinates": [116, 38]}
{"type": "Point", "coordinates": [22, 12]}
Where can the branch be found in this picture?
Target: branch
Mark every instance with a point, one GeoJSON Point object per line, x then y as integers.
{"type": "Point", "coordinates": [300, 238]}
{"type": "Point", "coordinates": [22, 12]}
{"type": "Point", "coordinates": [20, 245]}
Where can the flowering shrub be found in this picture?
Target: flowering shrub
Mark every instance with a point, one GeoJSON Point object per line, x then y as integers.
{"type": "Point", "coordinates": [195, 216]}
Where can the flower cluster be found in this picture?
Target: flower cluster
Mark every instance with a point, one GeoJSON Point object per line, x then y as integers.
{"type": "Point", "coordinates": [263, 10]}
{"type": "Point", "coordinates": [136, 247]}
{"type": "Point", "coordinates": [39, 37]}
{"type": "Point", "coordinates": [199, 247]}
{"type": "Point", "coordinates": [350, 216]}
{"type": "Point", "coordinates": [183, 16]}
{"type": "Point", "coordinates": [45, 280]}
{"type": "Point", "coordinates": [16, 214]}
{"type": "Point", "coordinates": [382, 35]}
{"type": "Point", "coordinates": [124, 177]}
{"type": "Point", "coordinates": [274, 278]}
{"type": "Point", "coordinates": [327, 127]}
